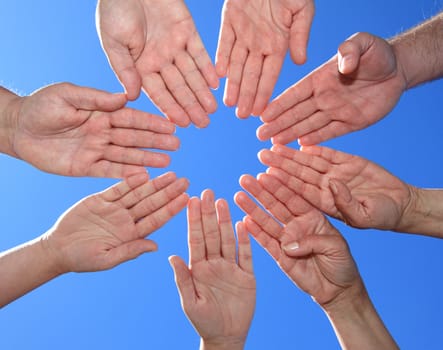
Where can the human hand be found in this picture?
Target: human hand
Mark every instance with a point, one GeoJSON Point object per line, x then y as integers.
{"type": "Point", "coordinates": [76, 131]}
{"type": "Point", "coordinates": [301, 240]}
{"type": "Point", "coordinates": [108, 228]}
{"type": "Point", "coordinates": [217, 290]}
{"type": "Point", "coordinates": [254, 37]}
{"type": "Point", "coordinates": [347, 187]}
{"type": "Point", "coordinates": [155, 45]}
{"type": "Point", "coordinates": [354, 89]}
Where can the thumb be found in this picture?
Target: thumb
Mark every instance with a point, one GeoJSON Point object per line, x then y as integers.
{"type": "Point", "coordinates": [349, 209]}
{"type": "Point", "coordinates": [299, 33]}
{"type": "Point", "coordinates": [91, 99]}
{"type": "Point", "coordinates": [124, 67]}
{"type": "Point", "coordinates": [128, 251]}
{"type": "Point", "coordinates": [350, 52]}
{"type": "Point", "coordinates": [328, 245]}
{"type": "Point", "coordinates": [183, 280]}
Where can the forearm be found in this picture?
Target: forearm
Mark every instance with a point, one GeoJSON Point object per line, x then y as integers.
{"type": "Point", "coordinates": [424, 214]}
{"type": "Point", "coordinates": [25, 268]}
{"type": "Point", "coordinates": [357, 324]}
{"type": "Point", "coordinates": [419, 51]}
{"type": "Point", "coordinates": [8, 120]}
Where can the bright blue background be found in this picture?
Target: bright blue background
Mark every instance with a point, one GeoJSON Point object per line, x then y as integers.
{"type": "Point", "coordinates": [136, 305]}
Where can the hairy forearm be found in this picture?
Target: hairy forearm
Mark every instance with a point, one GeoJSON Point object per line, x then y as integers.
{"type": "Point", "coordinates": [357, 324]}
{"type": "Point", "coordinates": [419, 51]}
{"type": "Point", "coordinates": [424, 214]}
{"type": "Point", "coordinates": [8, 119]}
{"type": "Point", "coordinates": [25, 268]}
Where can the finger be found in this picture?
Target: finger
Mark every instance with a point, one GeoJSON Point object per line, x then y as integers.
{"type": "Point", "coordinates": [309, 192]}
{"type": "Point", "coordinates": [349, 209]}
{"type": "Point", "coordinates": [145, 189]}
{"type": "Point", "coordinates": [244, 248]}
{"type": "Point", "coordinates": [266, 240]}
{"type": "Point", "coordinates": [249, 83]}
{"type": "Point", "coordinates": [122, 188]}
{"type": "Point", "coordinates": [327, 245]}
{"type": "Point", "coordinates": [143, 139]}
{"type": "Point", "coordinates": [299, 33]}
{"type": "Point", "coordinates": [196, 238]}
{"type": "Point", "coordinates": [184, 281]}
{"type": "Point", "coordinates": [200, 56]}
{"type": "Point", "coordinates": [129, 118]}
{"type": "Point", "coordinates": [181, 92]}
{"type": "Point", "coordinates": [157, 219]}
{"type": "Point", "coordinates": [289, 98]}
{"type": "Point", "coordinates": [331, 130]}
{"type": "Point", "coordinates": [316, 163]}
{"type": "Point", "coordinates": [155, 201]}
{"type": "Point", "coordinates": [328, 154]}
{"type": "Point", "coordinates": [226, 40]}
{"type": "Point", "coordinates": [263, 219]}
{"type": "Point", "coordinates": [269, 75]}
{"type": "Point", "coordinates": [127, 251]}
{"type": "Point", "coordinates": [293, 204]}
{"type": "Point", "coordinates": [265, 198]}
{"type": "Point", "coordinates": [108, 169]}
{"type": "Point", "coordinates": [135, 156]}
{"type": "Point", "coordinates": [159, 94]}
{"type": "Point", "coordinates": [228, 245]}
{"type": "Point", "coordinates": [196, 82]}
{"type": "Point", "coordinates": [91, 99]}
{"type": "Point", "coordinates": [235, 74]}
{"type": "Point", "coordinates": [210, 225]}
{"type": "Point", "coordinates": [288, 120]}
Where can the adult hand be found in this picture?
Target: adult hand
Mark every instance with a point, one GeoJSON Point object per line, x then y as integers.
{"type": "Point", "coordinates": [110, 227]}
{"type": "Point", "coordinates": [155, 45]}
{"type": "Point", "coordinates": [254, 38]}
{"type": "Point", "coordinates": [217, 290]}
{"type": "Point", "coordinates": [354, 89]}
{"type": "Point", "coordinates": [300, 239]}
{"type": "Point", "coordinates": [347, 187]}
{"type": "Point", "coordinates": [75, 131]}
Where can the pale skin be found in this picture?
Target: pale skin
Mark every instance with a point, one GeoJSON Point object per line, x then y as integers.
{"type": "Point", "coordinates": [355, 190]}
{"type": "Point", "coordinates": [357, 87]}
{"type": "Point", "coordinates": [217, 289]}
{"type": "Point", "coordinates": [176, 76]}
{"type": "Point", "coordinates": [76, 131]}
{"type": "Point", "coordinates": [98, 233]}
{"type": "Point", "coordinates": [314, 255]}
{"type": "Point", "coordinates": [254, 38]}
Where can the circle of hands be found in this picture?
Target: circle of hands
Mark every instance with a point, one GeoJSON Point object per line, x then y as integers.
{"type": "Point", "coordinates": [76, 131]}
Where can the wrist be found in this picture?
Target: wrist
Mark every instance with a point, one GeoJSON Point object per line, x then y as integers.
{"type": "Point", "coordinates": [53, 253]}
{"type": "Point", "coordinates": [222, 343]}
{"type": "Point", "coordinates": [9, 111]}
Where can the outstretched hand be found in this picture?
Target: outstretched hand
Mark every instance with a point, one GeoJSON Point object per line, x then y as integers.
{"type": "Point", "coordinates": [347, 187]}
{"type": "Point", "coordinates": [354, 89]}
{"type": "Point", "coordinates": [176, 76]}
{"type": "Point", "coordinates": [217, 290]}
{"type": "Point", "coordinates": [300, 239]}
{"type": "Point", "coordinates": [253, 41]}
{"type": "Point", "coordinates": [76, 131]}
{"type": "Point", "coordinates": [108, 228]}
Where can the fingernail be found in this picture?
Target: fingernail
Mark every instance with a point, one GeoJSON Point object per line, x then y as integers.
{"type": "Point", "coordinates": [291, 246]}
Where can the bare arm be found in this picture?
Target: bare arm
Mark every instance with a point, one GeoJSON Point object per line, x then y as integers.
{"type": "Point", "coordinates": [419, 51]}
{"type": "Point", "coordinates": [7, 122]}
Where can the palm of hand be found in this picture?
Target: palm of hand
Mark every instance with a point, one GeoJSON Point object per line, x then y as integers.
{"type": "Point", "coordinates": [224, 292]}
{"type": "Point", "coordinates": [322, 276]}
{"type": "Point", "coordinates": [357, 101]}
{"type": "Point", "coordinates": [90, 230]}
{"type": "Point", "coordinates": [58, 138]}
{"type": "Point", "coordinates": [383, 197]}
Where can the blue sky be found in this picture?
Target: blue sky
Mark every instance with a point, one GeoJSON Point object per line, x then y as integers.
{"type": "Point", "coordinates": [136, 305]}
